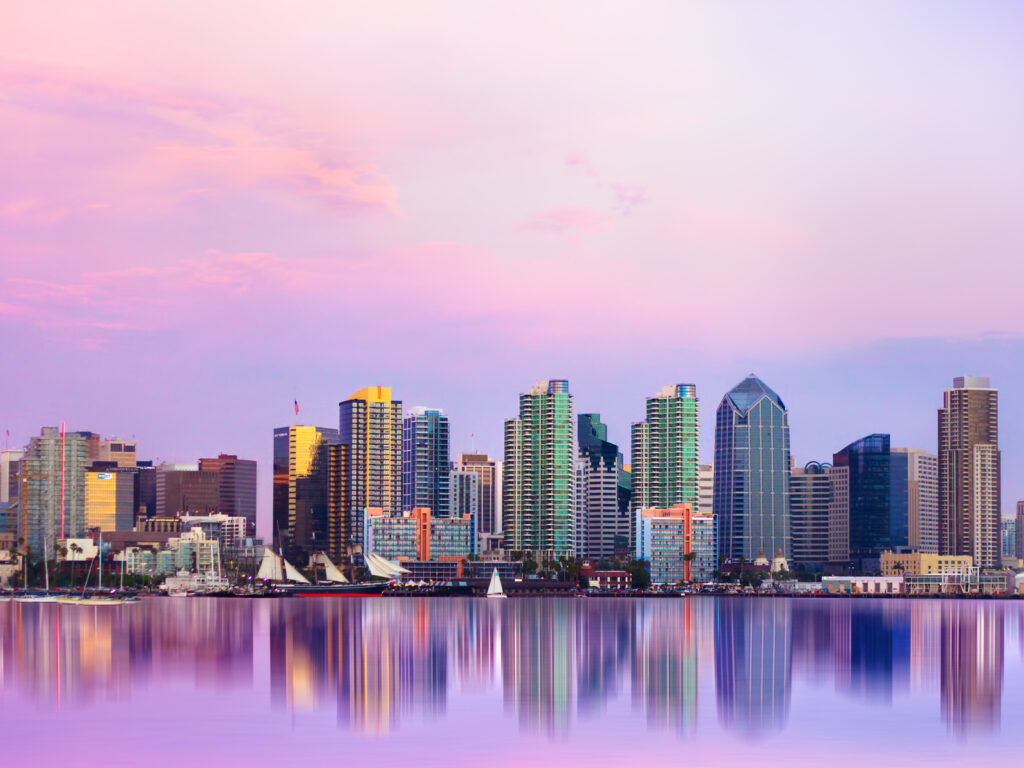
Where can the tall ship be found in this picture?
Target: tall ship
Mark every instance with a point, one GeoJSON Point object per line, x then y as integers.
{"type": "Point", "coordinates": [286, 579]}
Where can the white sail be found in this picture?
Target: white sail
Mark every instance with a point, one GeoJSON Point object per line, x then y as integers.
{"type": "Point", "coordinates": [291, 573]}
{"type": "Point", "coordinates": [383, 568]}
{"type": "Point", "coordinates": [331, 571]}
{"type": "Point", "coordinates": [494, 589]}
{"type": "Point", "coordinates": [270, 567]}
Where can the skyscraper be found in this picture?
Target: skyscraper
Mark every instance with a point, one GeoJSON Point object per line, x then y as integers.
{"type": "Point", "coordinates": [371, 426]}
{"type": "Point", "coordinates": [752, 465]}
{"type": "Point", "coordinates": [876, 515]}
{"type": "Point", "coordinates": [310, 492]}
{"type": "Point", "coordinates": [810, 492]}
{"type": "Point", "coordinates": [53, 486]}
{"type": "Point", "coordinates": [184, 488]}
{"type": "Point", "coordinates": [488, 473]}
{"type": "Point", "coordinates": [464, 494]}
{"type": "Point", "coordinates": [1008, 535]}
{"type": "Point", "coordinates": [706, 488]}
{"type": "Point", "coordinates": [237, 487]}
{"type": "Point", "coordinates": [426, 461]}
{"type": "Point", "coordinates": [1019, 531]}
{"type": "Point", "coordinates": [665, 449]}
{"type": "Point", "coordinates": [969, 471]}
{"type": "Point", "coordinates": [922, 499]}
{"type": "Point", "coordinates": [602, 510]}
{"type": "Point", "coordinates": [539, 483]}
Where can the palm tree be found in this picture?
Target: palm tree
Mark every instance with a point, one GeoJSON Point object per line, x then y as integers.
{"type": "Point", "coordinates": [75, 550]}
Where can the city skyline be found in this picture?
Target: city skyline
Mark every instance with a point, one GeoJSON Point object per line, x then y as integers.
{"type": "Point", "coordinates": [189, 223]}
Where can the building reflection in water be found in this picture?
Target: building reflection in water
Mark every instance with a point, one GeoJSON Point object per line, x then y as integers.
{"type": "Point", "coordinates": [753, 660]}
{"type": "Point", "coordinates": [972, 666]}
{"type": "Point", "coordinates": [665, 664]}
{"type": "Point", "coordinates": [374, 663]}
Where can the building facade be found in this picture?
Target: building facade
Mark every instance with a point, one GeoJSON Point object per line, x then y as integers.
{"type": "Point", "coordinates": [370, 424]}
{"type": "Point", "coordinates": [752, 468]}
{"type": "Point", "coordinates": [664, 540]}
{"type": "Point", "coordinates": [236, 479]}
{"type": "Point", "coordinates": [603, 519]}
{"type": "Point", "coordinates": [810, 494]}
{"type": "Point", "coordinates": [464, 493]}
{"type": "Point", "coordinates": [184, 488]}
{"type": "Point", "coordinates": [1019, 531]}
{"type": "Point", "coordinates": [706, 488]}
{"type": "Point", "coordinates": [666, 449]}
{"type": "Point", "coordinates": [109, 500]}
{"type": "Point", "coordinates": [877, 510]}
{"type": "Point", "coordinates": [922, 480]}
{"type": "Point", "coordinates": [969, 471]}
{"type": "Point", "coordinates": [488, 474]}
{"type": "Point", "coordinates": [539, 483]}
{"type": "Point", "coordinates": [426, 461]}
{"type": "Point", "coordinates": [53, 487]}
{"type": "Point", "coordinates": [310, 492]}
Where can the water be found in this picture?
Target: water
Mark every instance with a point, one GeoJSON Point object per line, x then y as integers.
{"type": "Point", "coordinates": [538, 682]}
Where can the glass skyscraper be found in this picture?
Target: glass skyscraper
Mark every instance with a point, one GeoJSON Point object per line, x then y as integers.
{"type": "Point", "coordinates": [539, 482]}
{"type": "Point", "coordinates": [752, 468]}
{"type": "Point", "coordinates": [426, 462]}
{"type": "Point", "coordinates": [666, 448]}
{"type": "Point", "coordinates": [310, 492]}
{"type": "Point", "coordinates": [602, 504]}
{"type": "Point", "coordinates": [877, 506]}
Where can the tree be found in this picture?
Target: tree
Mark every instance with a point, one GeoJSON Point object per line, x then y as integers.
{"type": "Point", "coordinates": [639, 575]}
{"type": "Point", "coordinates": [75, 550]}
{"type": "Point", "coordinates": [529, 565]}
{"type": "Point", "coordinates": [751, 578]}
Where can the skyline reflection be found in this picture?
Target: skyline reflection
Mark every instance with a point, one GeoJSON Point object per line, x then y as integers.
{"type": "Point", "coordinates": [551, 665]}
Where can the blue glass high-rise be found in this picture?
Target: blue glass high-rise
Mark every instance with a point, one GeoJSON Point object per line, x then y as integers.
{"type": "Point", "coordinates": [752, 469]}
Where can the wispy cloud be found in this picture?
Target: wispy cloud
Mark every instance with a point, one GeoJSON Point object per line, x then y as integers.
{"type": "Point", "coordinates": [559, 221]}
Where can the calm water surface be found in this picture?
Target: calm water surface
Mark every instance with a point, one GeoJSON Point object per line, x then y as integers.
{"type": "Point", "coordinates": [558, 682]}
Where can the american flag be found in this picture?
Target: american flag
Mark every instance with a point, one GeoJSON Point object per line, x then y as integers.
{"type": "Point", "coordinates": [296, 407]}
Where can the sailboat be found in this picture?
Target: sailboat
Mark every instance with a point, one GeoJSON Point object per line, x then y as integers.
{"type": "Point", "coordinates": [494, 588]}
{"type": "Point", "coordinates": [44, 598]}
{"type": "Point", "coordinates": [338, 585]}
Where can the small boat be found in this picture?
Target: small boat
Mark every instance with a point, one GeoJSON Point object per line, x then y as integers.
{"type": "Point", "coordinates": [494, 589]}
{"type": "Point", "coordinates": [35, 599]}
{"type": "Point", "coordinates": [103, 601]}
{"type": "Point", "coordinates": [70, 600]}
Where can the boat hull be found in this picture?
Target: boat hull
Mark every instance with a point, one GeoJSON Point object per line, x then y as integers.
{"type": "Point", "coordinates": [371, 589]}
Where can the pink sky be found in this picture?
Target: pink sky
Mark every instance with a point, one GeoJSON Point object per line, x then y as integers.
{"type": "Point", "coordinates": [282, 200]}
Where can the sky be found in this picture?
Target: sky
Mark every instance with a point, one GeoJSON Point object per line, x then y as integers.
{"type": "Point", "coordinates": [208, 211]}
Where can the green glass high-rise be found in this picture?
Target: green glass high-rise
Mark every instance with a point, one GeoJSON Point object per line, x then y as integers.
{"type": "Point", "coordinates": [539, 474]}
{"type": "Point", "coordinates": [666, 448]}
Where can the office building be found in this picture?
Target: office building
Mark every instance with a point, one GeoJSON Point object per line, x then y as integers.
{"type": "Point", "coordinates": [877, 506]}
{"type": "Point", "coordinates": [664, 540]}
{"type": "Point", "coordinates": [704, 546]}
{"type": "Point", "coordinates": [922, 479]}
{"type": "Point", "coordinates": [119, 453]}
{"type": "Point", "coordinates": [1008, 536]}
{"type": "Point", "coordinates": [53, 486]}
{"type": "Point", "coordinates": [706, 488]}
{"type": "Point", "coordinates": [310, 492]}
{"type": "Point", "coordinates": [923, 564]}
{"type": "Point", "coordinates": [10, 470]}
{"type": "Point", "coordinates": [602, 508]}
{"type": "Point", "coordinates": [145, 490]}
{"type": "Point", "coordinates": [237, 487]}
{"type": "Point", "coordinates": [665, 449]}
{"type": "Point", "coordinates": [464, 493]}
{"type": "Point", "coordinates": [184, 488]}
{"type": "Point", "coordinates": [109, 500]}
{"type": "Point", "coordinates": [488, 474]}
{"type": "Point", "coordinates": [370, 424]}
{"type": "Point", "coordinates": [417, 535]}
{"type": "Point", "coordinates": [752, 466]}
{"type": "Point", "coordinates": [810, 493]}
{"type": "Point", "coordinates": [969, 471]}
{"type": "Point", "coordinates": [1019, 530]}
{"type": "Point", "coordinates": [426, 461]}
{"type": "Point", "coordinates": [839, 515]}
{"type": "Point", "coordinates": [539, 483]}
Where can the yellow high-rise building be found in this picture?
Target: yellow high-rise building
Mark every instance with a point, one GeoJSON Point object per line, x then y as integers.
{"type": "Point", "coordinates": [370, 424]}
{"type": "Point", "coordinates": [109, 500]}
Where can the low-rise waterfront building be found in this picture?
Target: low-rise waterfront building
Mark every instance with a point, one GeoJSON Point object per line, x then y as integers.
{"type": "Point", "coordinates": [664, 540]}
{"type": "Point", "coordinates": [923, 563]}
